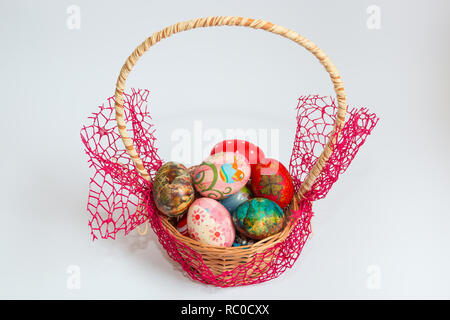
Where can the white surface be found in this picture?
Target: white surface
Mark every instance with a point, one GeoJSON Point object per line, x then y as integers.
{"type": "Point", "coordinates": [390, 210]}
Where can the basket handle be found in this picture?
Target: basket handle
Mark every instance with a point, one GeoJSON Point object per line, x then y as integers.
{"type": "Point", "coordinates": [234, 21]}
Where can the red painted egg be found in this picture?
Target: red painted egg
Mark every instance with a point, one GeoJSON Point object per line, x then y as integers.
{"type": "Point", "coordinates": [252, 153]}
{"type": "Point", "coordinates": [271, 180]}
{"type": "Point", "coordinates": [182, 226]}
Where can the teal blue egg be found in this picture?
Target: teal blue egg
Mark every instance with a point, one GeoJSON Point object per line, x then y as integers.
{"type": "Point", "coordinates": [235, 200]}
{"type": "Point", "coordinates": [259, 218]}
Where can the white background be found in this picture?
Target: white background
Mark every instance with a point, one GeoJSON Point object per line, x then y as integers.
{"type": "Point", "coordinates": [388, 213]}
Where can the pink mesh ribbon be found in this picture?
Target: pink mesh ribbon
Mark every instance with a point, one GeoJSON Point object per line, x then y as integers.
{"type": "Point", "coordinates": [116, 189]}
{"type": "Point", "coordinates": [120, 200]}
{"type": "Point", "coordinates": [315, 120]}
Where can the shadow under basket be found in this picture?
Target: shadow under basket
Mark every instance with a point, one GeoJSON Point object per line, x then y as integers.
{"type": "Point", "coordinates": [120, 197]}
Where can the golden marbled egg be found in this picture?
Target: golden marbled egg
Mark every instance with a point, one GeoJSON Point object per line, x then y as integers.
{"type": "Point", "coordinates": [173, 191]}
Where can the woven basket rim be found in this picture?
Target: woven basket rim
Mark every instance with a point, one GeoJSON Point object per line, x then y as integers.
{"type": "Point", "coordinates": [258, 247]}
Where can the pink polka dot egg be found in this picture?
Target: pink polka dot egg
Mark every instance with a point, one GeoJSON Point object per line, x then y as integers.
{"type": "Point", "coordinates": [209, 222]}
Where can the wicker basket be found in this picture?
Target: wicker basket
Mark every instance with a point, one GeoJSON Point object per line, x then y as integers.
{"type": "Point", "coordinates": [217, 265]}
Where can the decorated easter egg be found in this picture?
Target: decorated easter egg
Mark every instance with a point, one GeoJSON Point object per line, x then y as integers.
{"type": "Point", "coordinates": [258, 218]}
{"type": "Point", "coordinates": [221, 174]}
{"type": "Point", "coordinates": [182, 226]}
{"type": "Point", "coordinates": [173, 191]}
{"type": "Point", "coordinates": [241, 240]}
{"type": "Point", "coordinates": [271, 180]}
{"type": "Point", "coordinates": [209, 222]}
{"type": "Point", "coordinates": [252, 153]}
{"type": "Point", "coordinates": [233, 201]}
